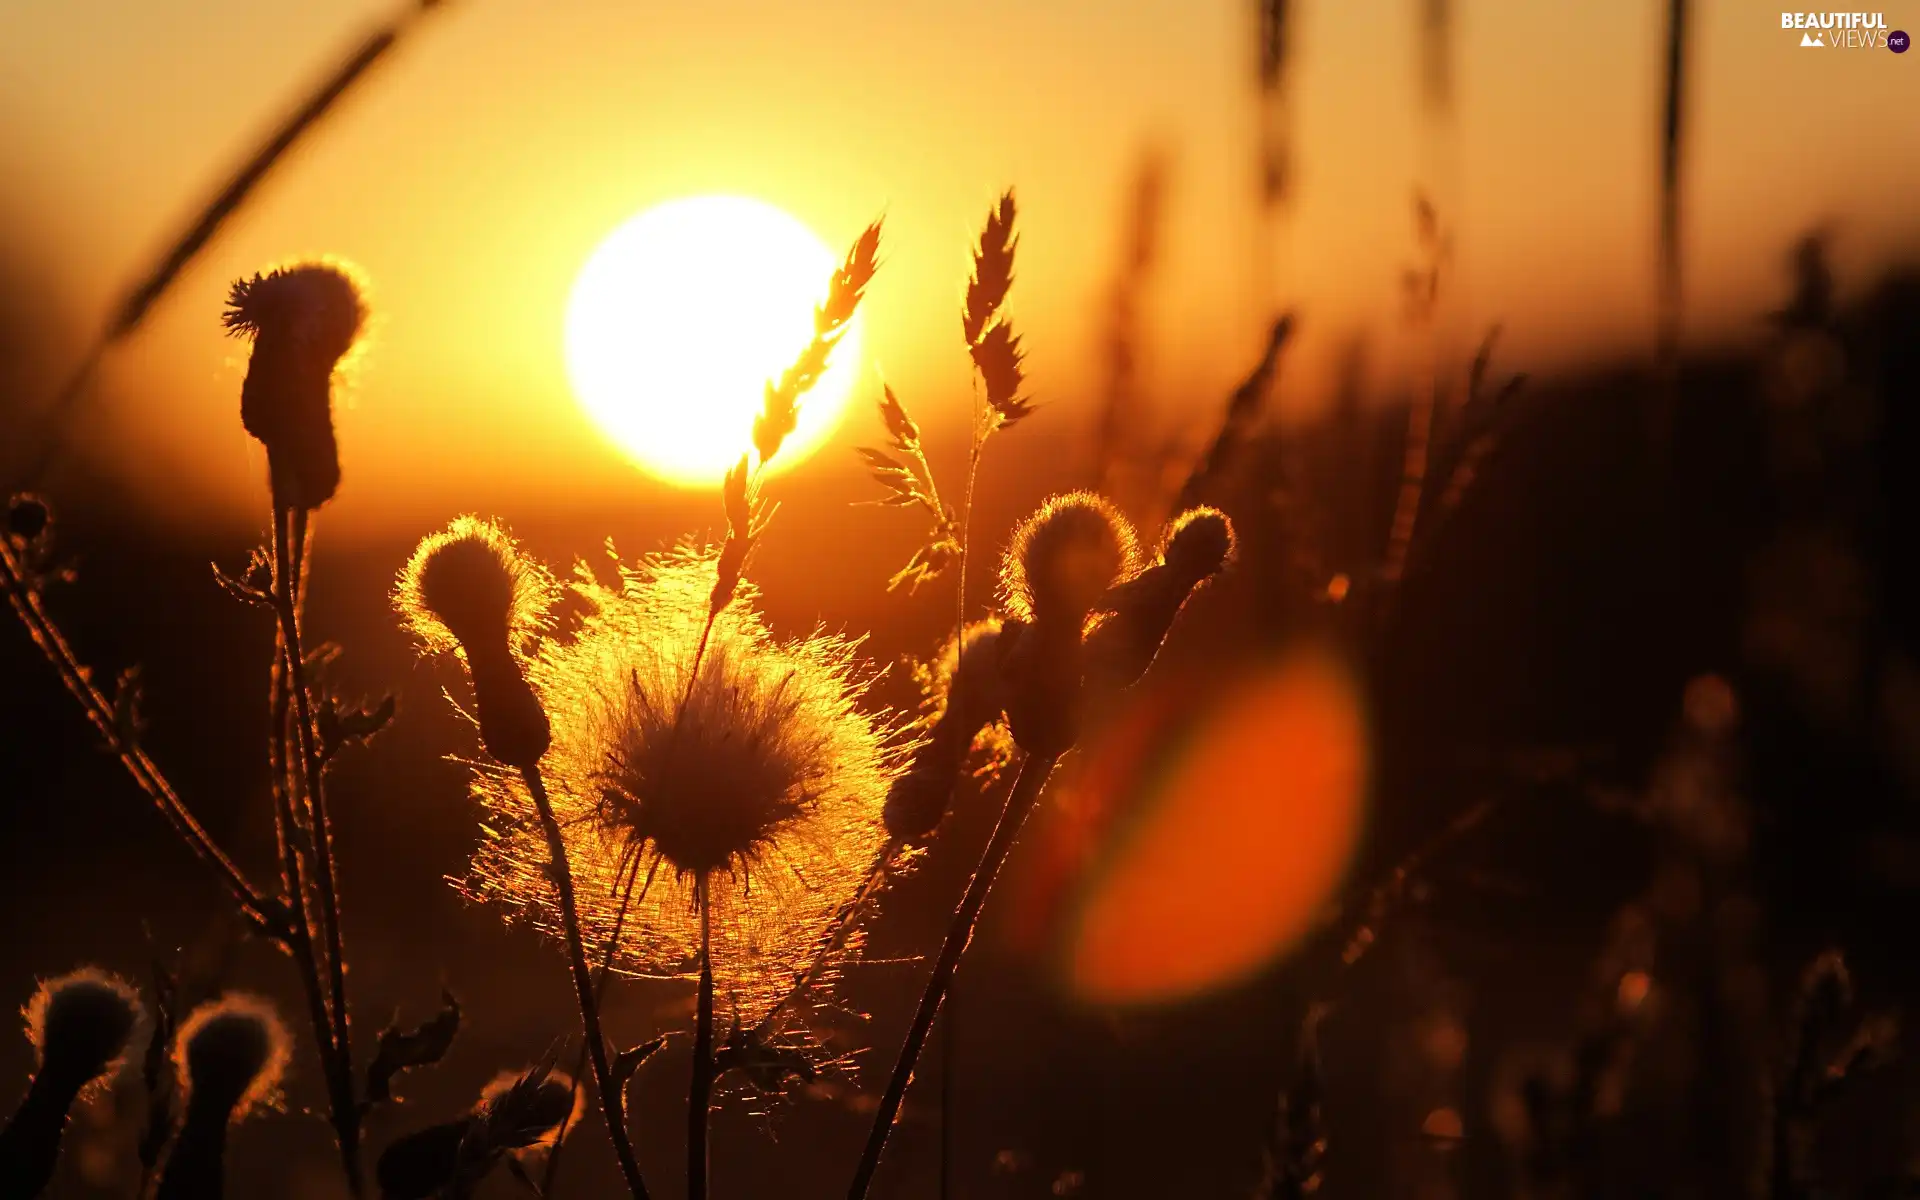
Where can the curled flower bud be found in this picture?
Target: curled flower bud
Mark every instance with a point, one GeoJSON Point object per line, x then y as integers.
{"type": "Point", "coordinates": [80, 1025]}
{"type": "Point", "coordinates": [519, 1114]}
{"type": "Point", "coordinates": [230, 1056]}
{"type": "Point", "coordinates": [963, 696]}
{"type": "Point", "coordinates": [303, 320]}
{"type": "Point", "coordinates": [530, 1110]}
{"type": "Point", "coordinates": [470, 588]}
{"type": "Point", "coordinates": [1063, 561]}
{"type": "Point", "coordinates": [1198, 545]}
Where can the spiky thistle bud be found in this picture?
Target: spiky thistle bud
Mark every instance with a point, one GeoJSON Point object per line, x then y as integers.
{"type": "Point", "coordinates": [303, 319]}
{"type": "Point", "coordinates": [80, 1025]}
{"type": "Point", "coordinates": [1061, 564]}
{"type": "Point", "coordinates": [230, 1055]}
{"type": "Point", "coordinates": [520, 1113]}
{"type": "Point", "coordinates": [1197, 546]}
{"type": "Point", "coordinates": [964, 695]}
{"type": "Point", "coordinates": [470, 589]}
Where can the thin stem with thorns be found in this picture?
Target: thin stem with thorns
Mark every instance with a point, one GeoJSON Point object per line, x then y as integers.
{"type": "Point", "coordinates": [700, 1089]}
{"type": "Point", "coordinates": [611, 1104]}
{"type": "Point", "coordinates": [1034, 772]}
{"type": "Point", "coordinates": [15, 580]}
{"type": "Point", "coordinates": [289, 531]}
{"type": "Point", "coordinates": [295, 841]}
{"type": "Point", "coordinates": [602, 975]}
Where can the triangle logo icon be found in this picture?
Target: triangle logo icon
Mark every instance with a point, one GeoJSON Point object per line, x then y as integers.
{"type": "Point", "coordinates": [1807, 39]}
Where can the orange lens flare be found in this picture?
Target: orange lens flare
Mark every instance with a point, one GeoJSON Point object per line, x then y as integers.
{"type": "Point", "coordinates": [1249, 828]}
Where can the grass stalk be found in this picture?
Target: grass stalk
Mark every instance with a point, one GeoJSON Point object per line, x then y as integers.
{"type": "Point", "coordinates": [611, 1104]}
{"type": "Point", "coordinates": [1034, 772]}
{"type": "Point", "coordinates": [1672, 129]}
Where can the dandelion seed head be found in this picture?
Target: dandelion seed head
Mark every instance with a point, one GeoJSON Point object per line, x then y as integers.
{"type": "Point", "coordinates": [1065, 556]}
{"type": "Point", "coordinates": [316, 304]}
{"type": "Point", "coordinates": [81, 1023]}
{"type": "Point", "coordinates": [764, 776]}
{"type": "Point", "coordinates": [232, 1053]}
{"type": "Point", "coordinates": [471, 584]}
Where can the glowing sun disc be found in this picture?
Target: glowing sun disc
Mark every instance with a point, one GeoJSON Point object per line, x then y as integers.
{"type": "Point", "coordinates": [681, 316]}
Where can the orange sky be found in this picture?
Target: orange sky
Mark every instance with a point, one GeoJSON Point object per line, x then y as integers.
{"type": "Point", "coordinates": [475, 172]}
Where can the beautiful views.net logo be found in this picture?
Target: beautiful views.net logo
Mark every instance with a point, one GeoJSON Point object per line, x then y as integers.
{"type": "Point", "coordinates": [1840, 30]}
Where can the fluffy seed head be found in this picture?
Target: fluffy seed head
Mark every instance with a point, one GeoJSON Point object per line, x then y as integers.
{"type": "Point", "coordinates": [1199, 543]}
{"type": "Point", "coordinates": [763, 775]}
{"type": "Point", "coordinates": [1065, 556]}
{"type": "Point", "coordinates": [470, 584]}
{"type": "Point", "coordinates": [80, 1023]}
{"type": "Point", "coordinates": [317, 305]}
{"type": "Point", "coordinates": [231, 1053]}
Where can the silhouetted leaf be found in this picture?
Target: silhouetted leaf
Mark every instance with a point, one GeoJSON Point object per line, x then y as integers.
{"type": "Point", "coordinates": [628, 1061]}
{"type": "Point", "coordinates": [400, 1049]}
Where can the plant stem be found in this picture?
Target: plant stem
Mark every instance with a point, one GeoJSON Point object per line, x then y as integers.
{"type": "Point", "coordinates": [700, 1092]}
{"type": "Point", "coordinates": [552, 1171]}
{"type": "Point", "coordinates": [290, 834]}
{"type": "Point", "coordinates": [53, 645]}
{"type": "Point", "coordinates": [610, 1102]}
{"type": "Point", "coordinates": [1034, 772]}
{"type": "Point", "coordinates": [289, 539]}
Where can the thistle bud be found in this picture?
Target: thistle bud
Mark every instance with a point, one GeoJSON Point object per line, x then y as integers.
{"type": "Point", "coordinates": [469, 588]}
{"type": "Point", "coordinates": [303, 319]}
{"type": "Point", "coordinates": [1063, 559]}
{"type": "Point", "coordinates": [1061, 564]}
{"type": "Point", "coordinates": [1198, 546]}
{"type": "Point", "coordinates": [519, 1113]}
{"type": "Point", "coordinates": [27, 517]}
{"type": "Point", "coordinates": [230, 1056]}
{"type": "Point", "coordinates": [530, 1110]}
{"type": "Point", "coordinates": [80, 1025]}
{"type": "Point", "coordinates": [964, 695]}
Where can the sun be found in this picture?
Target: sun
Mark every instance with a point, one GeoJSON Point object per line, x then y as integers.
{"type": "Point", "coordinates": [681, 316]}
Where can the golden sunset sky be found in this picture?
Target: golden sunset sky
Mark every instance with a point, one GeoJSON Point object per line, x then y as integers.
{"type": "Point", "coordinates": [473, 174]}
